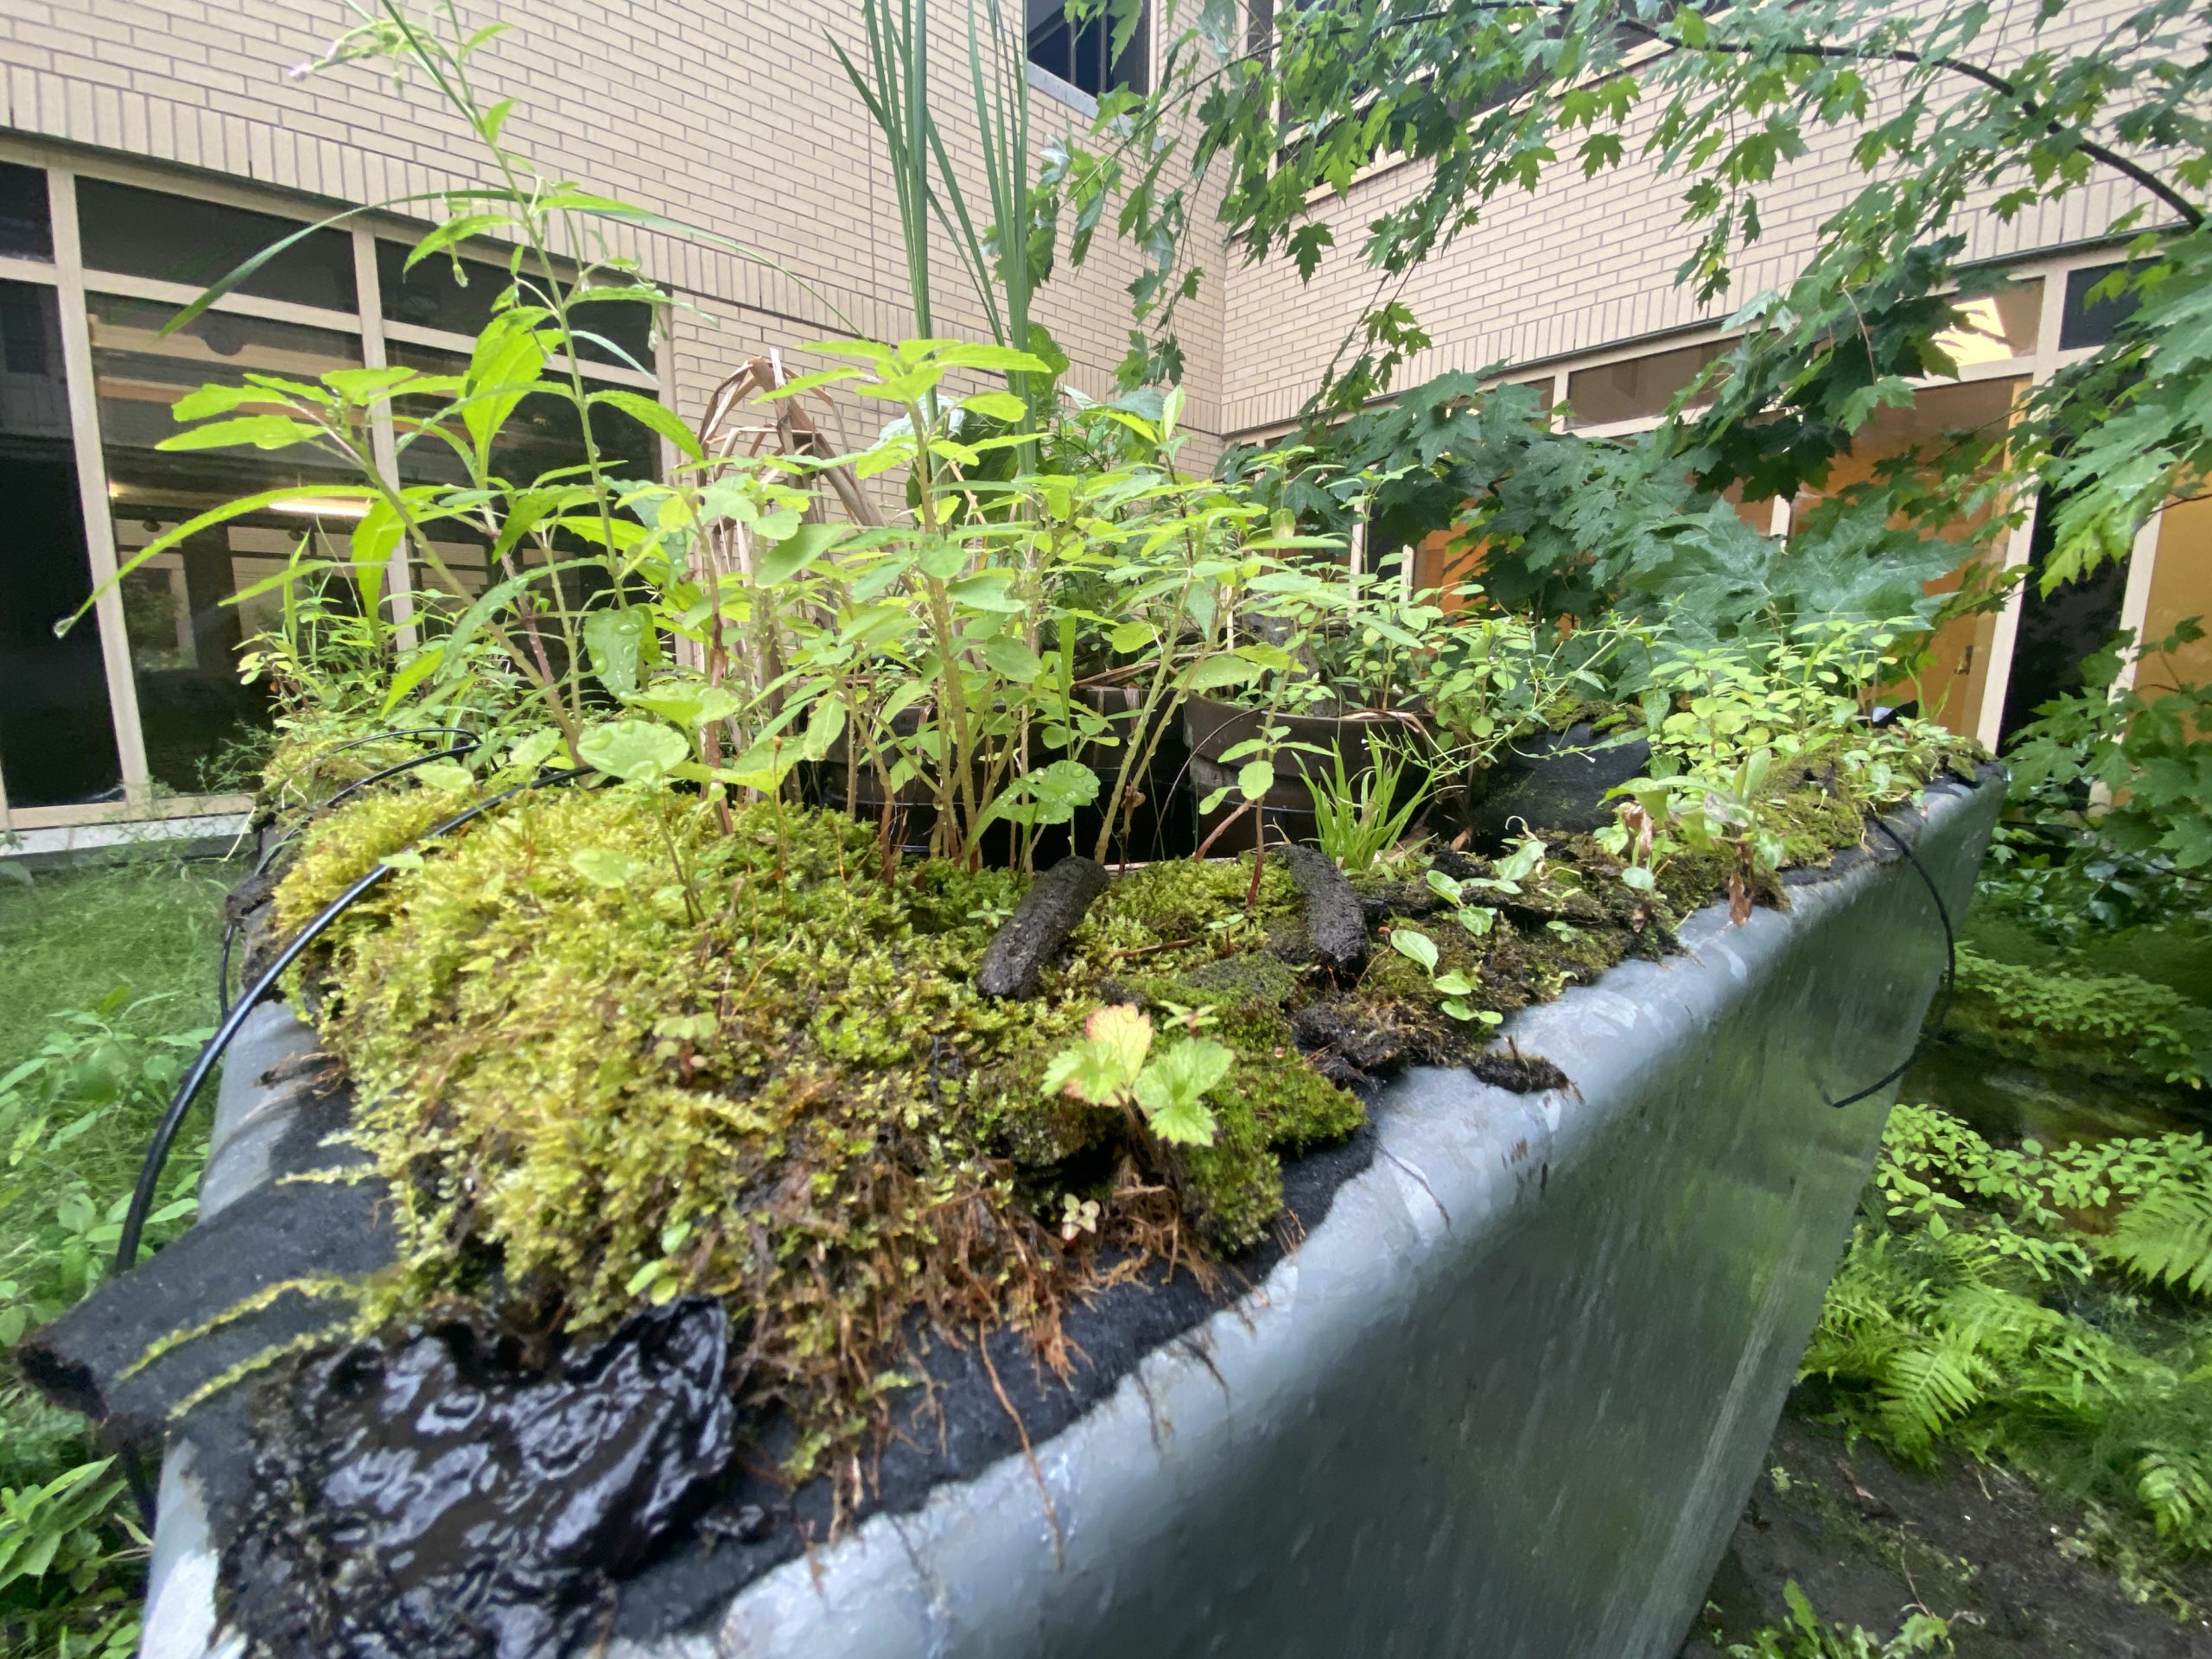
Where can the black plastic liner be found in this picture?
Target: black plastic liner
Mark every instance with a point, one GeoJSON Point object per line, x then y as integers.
{"type": "Point", "coordinates": [426, 1495]}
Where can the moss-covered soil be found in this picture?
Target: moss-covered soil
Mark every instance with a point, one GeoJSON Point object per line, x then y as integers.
{"type": "Point", "coordinates": [608, 1055]}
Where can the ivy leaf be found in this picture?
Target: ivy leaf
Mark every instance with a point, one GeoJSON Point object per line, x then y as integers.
{"type": "Point", "coordinates": [996, 405]}
{"type": "Point", "coordinates": [797, 550]}
{"type": "Point", "coordinates": [1012, 659]}
{"type": "Point", "coordinates": [1172, 1090]}
{"type": "Point", "coordinates": [617, 644]}
{"type": "Point", "coordinates": [1218, 672]}
{"type": "Point", "coordinates": [688, 703]}
{"type": "Point", "coordinates": [636, 750]}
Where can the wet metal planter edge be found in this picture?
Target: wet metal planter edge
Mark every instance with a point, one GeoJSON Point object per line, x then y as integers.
{"type": "Point", "coordinates": [1506, 1399]}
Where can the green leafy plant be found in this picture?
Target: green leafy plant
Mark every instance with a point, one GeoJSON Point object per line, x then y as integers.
{"type": "Point", "coordinates": [1808, 1636]}
{"type": "Point", "coordinates": [2108, 791]}
{"type": "Point", "coordinates": [73, 1120]}
{"type": "Point", "coordinates": [1114, 1065]}
{"type": "Point", "coordinates": [2102, 1022]}
{"type": "Point", "coordinates": [1738, 730]}
{"type": "Point", "coordinates": [58, 1545]}
{"type": "Point", "coordinates": [1357, 822]}
{"type": "Point", "coordinates": [1970, 1313]}
{"type": "Point", "coordinates": [1453, 986]}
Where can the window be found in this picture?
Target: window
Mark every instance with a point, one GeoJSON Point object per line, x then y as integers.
{"type": "Point", "coordinates": [2058, 631]}
{"type": "Point", "coordinates": [1996, 326]}
{"type": "Point", "coordinates": [26, 224]}
{"type": "Point", "coordinates": [1081, 54]}
{"type": "Point", "coordinates": [2091, 322]}
{"type": "Point", "coordinates": [57, 739]}
{"type": "Point", "coordinates": [1637, 388]}
{"type": "Point", "coordinates": [431, 296]}
{"type": "Point", "coordinates": [184, 640]}
{"type": "Point", "coordinates": [151, 233]}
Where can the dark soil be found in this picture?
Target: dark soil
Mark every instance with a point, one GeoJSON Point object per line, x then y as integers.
{"type": "Point", "coordinates": [1870, 1543]}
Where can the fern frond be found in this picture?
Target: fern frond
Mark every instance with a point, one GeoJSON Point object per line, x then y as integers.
{"type": "Point", "coordinates": [1925, 1390]}
{"type": "Point", "coordinates": [2176, 1486]}
{"type": "Point", "coordinates": [2165, 1236]}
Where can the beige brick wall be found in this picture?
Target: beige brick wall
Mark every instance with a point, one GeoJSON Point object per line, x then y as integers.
{"type": "Point", "coordinates": [1572, 267]}
{"type": "Point", "coordinates": [737, 116]}
{"type": "Point", "coordinates": [733, 116]}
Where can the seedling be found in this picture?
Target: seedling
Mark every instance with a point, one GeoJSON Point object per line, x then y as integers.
{"type": "Point", "coordinates": [1115, 1066]}
{"type": "Point", "coordinates": [1455, 986]}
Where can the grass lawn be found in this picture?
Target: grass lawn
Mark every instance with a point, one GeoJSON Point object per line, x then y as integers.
{"type": "Point", "coordinates": [107, 979]}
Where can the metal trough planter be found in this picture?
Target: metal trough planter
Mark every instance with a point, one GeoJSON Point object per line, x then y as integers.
{"type": "Point", "coordinates": [1506, 1399]}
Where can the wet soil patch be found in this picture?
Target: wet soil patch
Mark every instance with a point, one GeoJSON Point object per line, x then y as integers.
{"type": "Point", "coordinates": [1871, 1543]}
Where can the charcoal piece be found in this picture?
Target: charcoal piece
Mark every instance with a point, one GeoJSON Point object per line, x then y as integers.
{"type": "Point", "coordinates": [1052, 908]}
{"type": "Point", "coordinates": [1347, 1051]}
{"type": "Point", "coordinates": [425, 1495]}
{"type": "Point", "coordinates": [1523, 1074]}
{"type": "Point", "coordinates": [1334, 921]}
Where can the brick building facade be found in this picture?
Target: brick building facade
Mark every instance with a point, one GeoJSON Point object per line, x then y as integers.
{"type": "Point", "coordinates": [143, 144]}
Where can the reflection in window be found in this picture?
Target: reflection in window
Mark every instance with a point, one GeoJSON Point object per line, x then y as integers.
{"type": "Point", "coordinates": [1995, 326]}
{"type": "Point", "coordinates": [26, 225]}
{"type": "Point", "coordinates": [184, 638]}
{"type": "Point", "coordinates": [2059, 630]}
{"type": "Point", "coordinates": [1639, 389]}
{"type": "Point", "coordinates": [173, 238]}
{"type": "Point", "coordinates": [57, 740]}
{"type": "Point", "coordinates": [1081, 54]}
{"type": "Point", "coordinates": [431, 296]}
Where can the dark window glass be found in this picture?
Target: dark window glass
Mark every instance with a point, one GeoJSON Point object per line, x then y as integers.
{"type": "Point", "coordinates": [2059, 632]}
{"type": "Point", "coordinates": [152, 233]}
{"type": "Point", "coordinates": [184, 638]}
{"type": "Point", "coordinates": [432, 296]}
{"type": "Point", "coordinates": [1260, 29]}
{"type": "Point", "coordinates": [57, 740]}
{"type": "Point", "coordinates": [1082, 56]}
{"type": "Point", "coordinates": [2091, 322]}
{"type": "Point", "coordinates": [1638, 389]}
{"type": "Point", "coordinates": [26, 225]}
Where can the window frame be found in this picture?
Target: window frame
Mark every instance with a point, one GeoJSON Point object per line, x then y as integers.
{"type": "Point", "coordinates": [143, 801]}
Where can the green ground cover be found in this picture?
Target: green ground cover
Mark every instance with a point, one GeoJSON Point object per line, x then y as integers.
{"type": "Point", "coordinates": [106, 988]}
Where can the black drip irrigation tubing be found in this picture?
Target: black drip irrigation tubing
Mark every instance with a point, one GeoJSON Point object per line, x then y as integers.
{"type": "Point", "coordinates": [157, 1150]}
{"type": "Point", "coordinates": [269, 854]}
{"type": "Point", "coordinates": [1950, 972]}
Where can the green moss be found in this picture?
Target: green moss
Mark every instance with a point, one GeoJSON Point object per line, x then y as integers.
{"type": "Point", "coordinates": [611, 1054]}
{"type": "Point", "coordinates": [349, 843]}
{"type": "Point", "coordinates": [1815, 823]}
